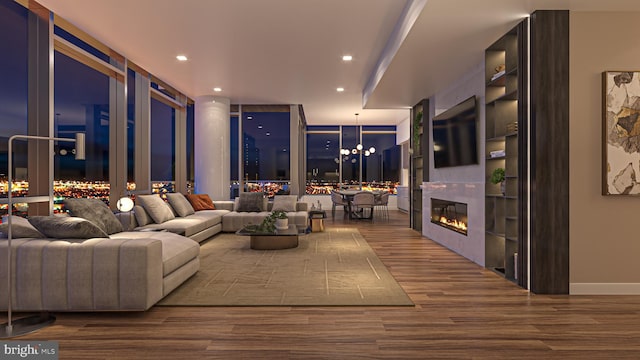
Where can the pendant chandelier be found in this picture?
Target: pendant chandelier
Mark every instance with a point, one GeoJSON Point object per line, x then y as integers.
{"type": "Point", "coordinates": [359, 148]}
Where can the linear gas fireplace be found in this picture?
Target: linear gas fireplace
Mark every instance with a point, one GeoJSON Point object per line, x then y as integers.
{"type": "Point", "coordinates": [449, 214]}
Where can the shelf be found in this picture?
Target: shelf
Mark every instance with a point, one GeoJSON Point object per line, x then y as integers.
{"type": "Point", "coordinates": [501, 80]}
{"type": "Point", "coordinates": [494, 234]}
{"type": "Point", "coordinates": [510, 96]}
{"type": "Point", "coordinates": [502, 110]}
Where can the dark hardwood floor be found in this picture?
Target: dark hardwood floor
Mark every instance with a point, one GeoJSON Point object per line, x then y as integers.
{"type": "Point", "coordinates": [462, 312]}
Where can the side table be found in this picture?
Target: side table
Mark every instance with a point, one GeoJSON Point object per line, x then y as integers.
{"type": "Point", "coordinates": [317, 220]}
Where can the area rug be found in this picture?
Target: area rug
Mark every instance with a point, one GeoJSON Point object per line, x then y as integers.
{"type": "Point", "coordinates": [335, 267]}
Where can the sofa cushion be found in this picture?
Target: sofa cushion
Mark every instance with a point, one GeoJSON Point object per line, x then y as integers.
{"type": "Point", "coordinates": [284, 203]}
{"type": "Point", "coordinates": [180, 204]}
{"type": "Point", "coordinates": [176, 250]}
{"type": "Point", "coordinates": [67, 227]}
{"type": "Point", "coordinates": [142, 217]}
{"type": "Point", "coordinates": [251, 202]}
{"type": "Point", "coordinates": [20, 228]}
{"type": "Point", "coordinates": [235, 221]}
{"type": "Point", "coordinates": [159, 210]}
{"type": "Point", "coordinates": [200, 202]}
{"type": "Point", "coordinates": [96, 211]}
{"type": "Point", "coordinates": [180, 225]}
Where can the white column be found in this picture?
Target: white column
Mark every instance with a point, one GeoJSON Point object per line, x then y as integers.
{"type": "Point", "coordinates": [212, 147]}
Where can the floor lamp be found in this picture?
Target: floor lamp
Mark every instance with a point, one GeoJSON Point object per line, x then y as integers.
{"type": "Point", "coordinates": [31, 323]}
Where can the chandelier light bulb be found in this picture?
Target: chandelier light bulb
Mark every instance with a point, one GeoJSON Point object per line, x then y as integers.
{"type": "Point", "coordinates": [367, 153]}
{"type": "Point", "coordinates": [359, 147]}
{"type": "Point", "coordinates": [354, 151]}
{"type": "Point", "coordinates": [372, 150]}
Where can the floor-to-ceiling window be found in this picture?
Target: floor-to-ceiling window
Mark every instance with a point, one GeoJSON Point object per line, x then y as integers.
{"type": "Point", "coordinates": [131, 128]}
{"type": "Point", "coordinates": [381, 168]}
{"type": "Point", "coordinates": [323, 159]}
{"type": "Point", "coordinates": [234, 170]}
{"type": "Point", "coordinates": [163, 148]}
{"type": "Point", "coordinates": [81, 104]}
{"type": "Point", "coordinates": [364, 157]}
{"type": "Point", "coordinates": [266, 151]}
{"type": "Point", "coordinates": [350, 158]}
{"type": "Point", "coordinates": [93, 90]}
{"type": "Point", "coordinates": [13, 96]}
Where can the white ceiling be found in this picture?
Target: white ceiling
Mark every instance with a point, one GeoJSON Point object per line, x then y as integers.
{"type": "Point", "coordinates": [289, 51]}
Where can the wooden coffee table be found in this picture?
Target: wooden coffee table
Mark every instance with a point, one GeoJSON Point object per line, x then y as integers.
{"type": "Point", "coordinates": [281, 239]}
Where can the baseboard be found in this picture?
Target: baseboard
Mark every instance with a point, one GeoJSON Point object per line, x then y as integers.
{"type": "Point", "coordinates": [604, 288]}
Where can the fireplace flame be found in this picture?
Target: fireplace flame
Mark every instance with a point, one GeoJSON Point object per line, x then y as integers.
{"type": "Point", "coordinates": [454, 223]}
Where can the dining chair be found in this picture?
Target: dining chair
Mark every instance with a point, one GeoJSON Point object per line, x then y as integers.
{"type": "Point", "coordinates": [362, 201]}
{"type": "Point", "coordinates": [382, 203]}
{"type": "Point", "coordinates": [337, 200]}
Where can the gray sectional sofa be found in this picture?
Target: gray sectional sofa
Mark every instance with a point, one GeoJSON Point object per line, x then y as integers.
{"type": "Point", "coordinates": [128, 271]}
{"type": "Point", "coordinates": [235, 220]}
{"type": "Point", "coordinates": [87, 263]}
{"type": "Point", "coordinates": [103, 268]}
{"type": "Point", "coordinates": [227, 217]}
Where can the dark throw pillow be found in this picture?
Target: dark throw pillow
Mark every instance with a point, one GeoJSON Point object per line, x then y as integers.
{"type": "Point", "coordinates": [20, 228]}
{"type": "Point", "coordinates": [66, 227]}
{"type": "Point", "coordinates": [251, 202]}
{"type": "Point", "coordinates": [96, 211]}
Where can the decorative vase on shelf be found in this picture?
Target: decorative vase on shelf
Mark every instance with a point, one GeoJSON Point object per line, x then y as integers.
{"type": "Point", "coordinates": [502, 188]}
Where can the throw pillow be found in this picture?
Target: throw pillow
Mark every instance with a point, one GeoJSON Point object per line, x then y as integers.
{"type": "Point", "coordinates": [251, 202]}
{"type": "Point", "coordinates": [142, 218]}
{"type": "Point", "coordinates": [96, 211]}
{"type": "Point", "coordinates": [180, 204]}
{"type": "Point", "coordinates": [200, 202]}
{"type": "Point", "coordinates": [286, 203]}
{"type": "Point", "coordinates": [20, 228]}
{"type": "Point", "coordinates": [156, 208]}
{"type": "Point", "coordinates": [66, 227]}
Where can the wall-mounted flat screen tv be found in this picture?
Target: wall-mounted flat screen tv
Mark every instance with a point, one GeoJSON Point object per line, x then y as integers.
{"type": "Point", "coordinates": [455, 137]}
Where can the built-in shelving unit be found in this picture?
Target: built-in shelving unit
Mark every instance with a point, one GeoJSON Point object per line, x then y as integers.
{"type": "Point", "coordinates": [419, 160]}
{"type": "Point", "coordinates": [505, 115]}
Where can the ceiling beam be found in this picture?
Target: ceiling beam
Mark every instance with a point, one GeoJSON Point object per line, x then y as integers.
{"type": "Point", "coordinates": [410, 13]}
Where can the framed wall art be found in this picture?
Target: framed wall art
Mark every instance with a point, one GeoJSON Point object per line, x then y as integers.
{"type": "Point", "coordinates": [621, 133]}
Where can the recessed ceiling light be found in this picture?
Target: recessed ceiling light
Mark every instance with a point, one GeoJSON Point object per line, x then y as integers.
{"type": "Point", "coordinates": [347, 58]}
{"type": "Point", "coordinates": [217, 89]}
{"type": "Point", "coordinates": [181, 58]}
{"type": "Point", "coordinates": [340, 89]}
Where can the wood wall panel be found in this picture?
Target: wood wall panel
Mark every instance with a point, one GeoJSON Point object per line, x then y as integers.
{"type": "Point", "coordinates": [550, 152]}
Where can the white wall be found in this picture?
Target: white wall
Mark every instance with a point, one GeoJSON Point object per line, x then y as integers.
{"type": "Point", "coordinates": [461, 183]}
{"type": "Point", "coordinates": [403, 130]}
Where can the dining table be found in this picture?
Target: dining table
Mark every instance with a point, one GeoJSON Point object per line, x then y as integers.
{"type": "Point", "coordinates": [348, 194]}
